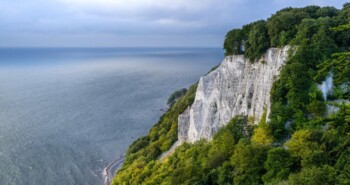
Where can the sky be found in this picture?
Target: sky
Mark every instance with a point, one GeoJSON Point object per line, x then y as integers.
{"type": "Point", "coordinates": [132, 23]}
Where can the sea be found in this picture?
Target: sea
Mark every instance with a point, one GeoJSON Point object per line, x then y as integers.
{"type": "Point", "coordinates": [66, 113]}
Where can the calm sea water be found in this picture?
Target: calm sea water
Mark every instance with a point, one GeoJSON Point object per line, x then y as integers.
{"type": "Point", "coordinates": [66, 113]}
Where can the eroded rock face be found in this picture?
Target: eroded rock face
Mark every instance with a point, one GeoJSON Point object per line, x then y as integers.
{"type": "Point", "coordinates": [236, 87]}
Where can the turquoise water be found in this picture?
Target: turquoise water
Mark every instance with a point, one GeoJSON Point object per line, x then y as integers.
{"type": "Point", "coordinates": [66, 113]}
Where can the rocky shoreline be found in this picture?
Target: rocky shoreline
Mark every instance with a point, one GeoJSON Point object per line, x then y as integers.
{"type": "Point", "coordinates": [112, 168]}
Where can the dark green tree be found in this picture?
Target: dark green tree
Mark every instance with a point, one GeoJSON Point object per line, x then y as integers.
{"type": "Point", "coordinates": [248, 161]}
{"type": "Point", "coordinates": [327, 11]}
{"type": "Point", "coordinates": [278, 165]}
{"type": "Point", "coordinates": [233, 43]}
{"type": "Point", "coordinates": [314, 176]}
{"type": "Point", "coordinates": [257, 42]}
{"type": "Point", "coordinates": [282, 25]}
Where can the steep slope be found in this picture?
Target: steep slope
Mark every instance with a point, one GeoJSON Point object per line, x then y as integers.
{"type": "Point", "coordinates": [236, 87]}
{"type": "Point", "coordinates": [300, 143]}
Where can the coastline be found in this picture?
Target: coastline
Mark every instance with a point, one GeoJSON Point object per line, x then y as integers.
{"type": "Point", "coordinates": [112, 168]}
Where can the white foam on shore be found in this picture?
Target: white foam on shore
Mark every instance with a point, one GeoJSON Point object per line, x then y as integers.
{"type": "Point", "coordinates": [107, 171]}
{"type": "Point", "coordinates": [105, 176]}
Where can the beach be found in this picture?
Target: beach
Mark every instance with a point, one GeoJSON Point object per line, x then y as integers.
{"type": "Point", "coordinates": [112, 168]}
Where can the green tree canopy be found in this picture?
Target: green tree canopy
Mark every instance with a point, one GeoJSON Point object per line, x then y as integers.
{"type": "Point", "coordinates": [233, 43]}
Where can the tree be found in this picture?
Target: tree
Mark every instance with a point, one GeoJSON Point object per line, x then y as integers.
{"type": "Point", "coordinates": [305, 147]}
{"type": "Point", "coordinates": [342, 36]}
{"type": "Point", "coordinates": [314, 176]}
{"type": "Point", "coordinates": [226, 174]}
{"type": "Point", "coordinates": [278, 165]}
{"type": "Point", "coordinates": [233, 43]}
{"type": "Point", "coordinates": [316, 107]}
{"type": "Point", "coordinates": [176, 95]}
{"type": "Point", "coordinates": [257, 42]}
{"type": "Point", "coordinates": [138, 145]}
{"type": "Point", "coordinates": [239, 128]}
{"type": "Point", "coordinates": [248, 160]}
{"type": "Point", "coordinates": [327, 11]}
{"type": "Point", "coordinates": [339, 66]}
{"type": "Point", "coordinates": [282, 25]}
{"type": "Point", "coordinates": [262, 135]}
{"type": "Point", "coordinates": [305, 30]}
{"type": "Point", "coordinates": [221, 149]}
{"type": "Point", "coordinates": [343, 166]}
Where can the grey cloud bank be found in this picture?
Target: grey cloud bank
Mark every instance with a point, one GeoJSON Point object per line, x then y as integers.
{"type": "Point", "coordinates": [142, 23]}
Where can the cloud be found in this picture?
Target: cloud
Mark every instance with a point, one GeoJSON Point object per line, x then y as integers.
{"type": "Point", "coordinates": [162, 12]}
{"type": "Point", "coordinates": [86, 21]}
{"type": "Point", "coordinates": [135, 6]}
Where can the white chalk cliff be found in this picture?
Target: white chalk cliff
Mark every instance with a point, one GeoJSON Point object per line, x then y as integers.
{"type": "Point", "coordinates": [236, 87]}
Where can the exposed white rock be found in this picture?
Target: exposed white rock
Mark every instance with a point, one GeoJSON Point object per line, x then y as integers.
{"type": "Point", "coordinates": [236, 87]}
{"type": "Point", "coordinates": [326, 86]}
{"type": "Point", "coordinates": [333, 106]}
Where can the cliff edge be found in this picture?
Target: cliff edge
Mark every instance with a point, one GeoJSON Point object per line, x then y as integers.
{"type": "Point", "coordinates": [236, 87]}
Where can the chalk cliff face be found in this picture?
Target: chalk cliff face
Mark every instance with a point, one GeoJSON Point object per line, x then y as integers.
{"type": "Point", "coordinates": [236, 87]}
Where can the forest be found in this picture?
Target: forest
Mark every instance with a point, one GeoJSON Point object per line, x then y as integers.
{"type": "Point", "coordinates": [300, 144]}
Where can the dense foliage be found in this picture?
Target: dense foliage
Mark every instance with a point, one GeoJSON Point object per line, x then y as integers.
{"type": "Point", "coordinates": [234, 42]}
{"type": "Point", "coordinates": [312, 156]}
{"type": "Point", "coordinates": [301, 143]}
{"type": "Point", "coordinates": [280, 29]}
{"type": "Point", "coordinates": [146, 149]}
{"type": "Point", "coordinates": [295, 97]}
{"type": "Point", "coordinates": [176, 95]}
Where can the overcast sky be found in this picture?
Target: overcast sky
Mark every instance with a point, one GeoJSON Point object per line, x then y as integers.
{"type": "Point", "coordinates": [130, 23]}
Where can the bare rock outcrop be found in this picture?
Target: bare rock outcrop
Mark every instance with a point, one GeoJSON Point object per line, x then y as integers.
{"type": "Point", "coordinates": [236, 87]}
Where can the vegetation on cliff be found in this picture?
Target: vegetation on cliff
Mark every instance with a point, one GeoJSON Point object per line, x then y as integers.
{"type": "Point", "coordinates": [300, 144]}
{"type": "Point", "coordinates": [145, 150]}
{"type": "Point", "coordinates": [176, 95]}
